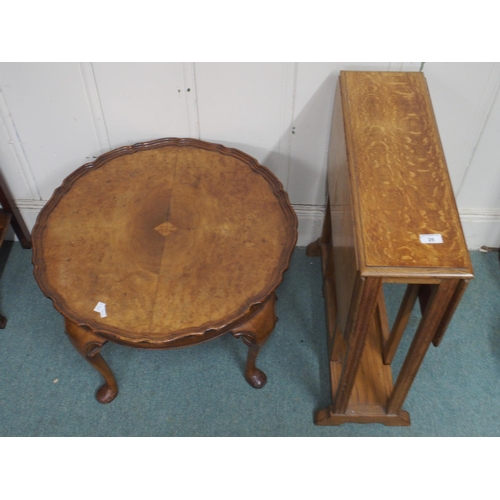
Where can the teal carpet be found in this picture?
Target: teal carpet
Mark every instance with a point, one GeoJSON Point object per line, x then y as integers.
{"type": "Point", "coordinates": [47, 389]}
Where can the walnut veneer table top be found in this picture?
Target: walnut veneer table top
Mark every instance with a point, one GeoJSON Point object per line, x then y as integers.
{"type": "Point", "coordinates": [179, 238]}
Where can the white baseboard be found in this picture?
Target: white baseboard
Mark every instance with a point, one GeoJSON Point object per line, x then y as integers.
{"type": "Point", "coordinates": [481, 226]}
{"type": "Point", "coordinates": [310, 223]}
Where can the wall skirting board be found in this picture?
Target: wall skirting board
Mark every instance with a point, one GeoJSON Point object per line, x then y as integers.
{"type": "Point", "coordinates": [481, 226]}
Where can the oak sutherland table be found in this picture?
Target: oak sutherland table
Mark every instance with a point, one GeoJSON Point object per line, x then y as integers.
{"type": "Point", "coordinates": [391, 218]}
{"type": "Point", "coordinates": [165, 244]}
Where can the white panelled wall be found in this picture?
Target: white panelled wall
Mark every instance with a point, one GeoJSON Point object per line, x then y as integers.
{"type": "Point", "coordinates": [58, 116]}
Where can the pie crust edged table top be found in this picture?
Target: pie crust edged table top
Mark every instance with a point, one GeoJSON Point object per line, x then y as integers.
{"type": "Point", "coordinates": [181, 239]}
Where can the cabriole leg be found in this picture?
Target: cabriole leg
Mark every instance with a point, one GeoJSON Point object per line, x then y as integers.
{"type": "Point", "coordinates": [88, 345]}
{"type": "Point", "coordinates": [254, 332]}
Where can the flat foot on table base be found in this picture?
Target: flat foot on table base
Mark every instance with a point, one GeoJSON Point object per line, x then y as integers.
{"type": "Point", "coordinates": [3, 321]}
{"type": "Point", "coordinates": [327, 417]}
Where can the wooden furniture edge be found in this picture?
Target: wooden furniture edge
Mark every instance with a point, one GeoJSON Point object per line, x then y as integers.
{"type": "Point", "coordinates": [421, 273]}
{"type": "Point", "coordinates": [327, 417]}
{"type": "Point", "coordinates": [359, 247]}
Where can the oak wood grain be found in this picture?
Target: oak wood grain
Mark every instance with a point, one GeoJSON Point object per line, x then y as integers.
{"type": "Point", "coordinates": [397, 165]}
{"type": "Point", "coordinates": [388, 184]}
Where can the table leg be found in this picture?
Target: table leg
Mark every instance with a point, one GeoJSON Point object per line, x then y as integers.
{"type": "Point", "coordinates": [462, 285]}
{"type": "Point", "coordinates": [88, 345]}
{"type": "Point", "coordinates": [436, 307]}
{"type": "Point", "coordinates": [404, 313]}
{"type": "Point", "coordinates": [254, 332]}
{"type": "Point", "coordinates": [364, 302]}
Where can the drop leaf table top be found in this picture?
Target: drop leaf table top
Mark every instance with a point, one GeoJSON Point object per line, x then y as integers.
{"type": "Point", "coordinates": [391, 218]}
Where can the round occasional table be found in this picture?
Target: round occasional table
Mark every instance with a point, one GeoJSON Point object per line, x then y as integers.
{"type": "Point", "coordinates": [165, 244]}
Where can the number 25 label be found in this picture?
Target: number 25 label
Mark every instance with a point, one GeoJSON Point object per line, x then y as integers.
{"type": "Point", "coordinates": [431, 238]}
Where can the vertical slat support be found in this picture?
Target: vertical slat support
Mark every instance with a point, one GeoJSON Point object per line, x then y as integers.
{"type": "Point", "coordinates": [364, 301]}
{"type": "Point", "coordinates": [383, 322]}
{"type": "Point", "coordinates": [435, 310]}
{"type": "Point", "coordinates": [457, 296]}
{"type": "Point", "coordinates": [400, 322]}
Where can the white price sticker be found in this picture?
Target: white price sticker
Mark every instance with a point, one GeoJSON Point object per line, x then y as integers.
{"type": "Point", "coordinates": [431, 238]}
{"type": "Point", "coordinates": [101, 309]}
